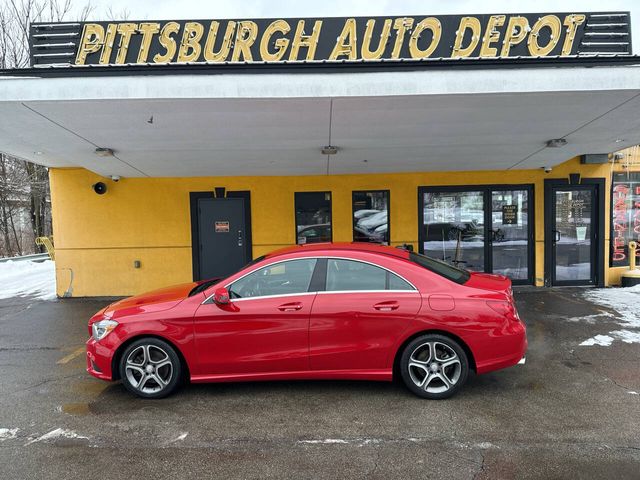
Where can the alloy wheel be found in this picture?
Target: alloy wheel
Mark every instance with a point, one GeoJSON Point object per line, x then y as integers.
{"type": "Point", "coordinates": [149, 369]}
{"type": "Point", "coordinates": [434, 367]}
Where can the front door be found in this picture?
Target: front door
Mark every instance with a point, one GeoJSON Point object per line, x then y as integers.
{"type": "Point", "coordinates": [573, 234]}
{"type": "Point", "coordinates": [220, 237]}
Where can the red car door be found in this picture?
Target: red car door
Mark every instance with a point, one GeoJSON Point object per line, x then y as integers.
{"type": "Point", "coordinates": [265, 327]}
{"type": "Point", "coordinates": [356, 321]}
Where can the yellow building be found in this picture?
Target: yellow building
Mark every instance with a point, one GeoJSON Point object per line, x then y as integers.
{"type": "Point", "coordinates": [171, 164]}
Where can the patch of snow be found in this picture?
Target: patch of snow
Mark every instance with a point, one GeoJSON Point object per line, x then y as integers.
{"type": "Point", "coordinates": [33, 279]}
{"type": "Point", "coordinates": [54, 434]}
{"type": "Point", "coordinates": [8, 433]}
{"type": "Point", "coordinates": [625, 301]}
{"type": "Point", "coordinates": [602, 340]}
{"type": "Point", "coordinates": [326, 441]}
{"type": "Point", "coordinates": [631, 392]}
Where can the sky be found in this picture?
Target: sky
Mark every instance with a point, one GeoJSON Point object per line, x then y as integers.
{"type": "Point", "coordinates": [215, 9]}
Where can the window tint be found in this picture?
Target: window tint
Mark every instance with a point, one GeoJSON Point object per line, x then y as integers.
{"type": "Point", "coordinates": [282, 278]}
{"type": "Point", "coordinates": [441, 268]}
{"type": "Point", "coordinates": [353, 275]}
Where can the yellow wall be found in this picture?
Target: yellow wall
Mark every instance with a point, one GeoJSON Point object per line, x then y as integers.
{"type": "Point", "coordinates": [98, 237]}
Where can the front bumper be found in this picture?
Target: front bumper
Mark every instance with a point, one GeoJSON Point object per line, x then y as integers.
{"type": "Point", "coordinates": [99, 360]}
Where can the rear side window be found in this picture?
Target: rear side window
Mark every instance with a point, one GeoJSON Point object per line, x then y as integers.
{"type": "Point", "coordinates": [441, 268]}
{"type": "Point", "coordinates": [349, 275]}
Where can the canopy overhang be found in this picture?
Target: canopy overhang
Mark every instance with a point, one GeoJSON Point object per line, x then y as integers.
{"type": "Point", "coordinates": [180, 125]}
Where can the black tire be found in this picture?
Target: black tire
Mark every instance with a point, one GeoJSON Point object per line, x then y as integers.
{"type": "Point", "coordinates": [452, 376]}
{"type": "Point", "coordinates": [162, 377]}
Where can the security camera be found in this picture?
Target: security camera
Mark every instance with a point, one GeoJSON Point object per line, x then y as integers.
{"type": "Point", "coordinates": [100, 188]}
{"type": "Point", "coordinates": [115, 178]}
{"type": "Point", "coordinates": [547, 169]}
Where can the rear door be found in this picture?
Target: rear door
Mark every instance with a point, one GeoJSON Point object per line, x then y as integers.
{"type": "Point", "coordinates": [359, 316]}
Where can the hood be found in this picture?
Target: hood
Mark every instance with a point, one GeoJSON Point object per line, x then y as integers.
{"type": "Point", "coordinates": [155, 301]}
{"type": "Point", "coordinates": [489, 281]}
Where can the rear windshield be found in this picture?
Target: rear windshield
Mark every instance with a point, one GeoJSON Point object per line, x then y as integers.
{"type": "Point", "coordinates": [441, 268]}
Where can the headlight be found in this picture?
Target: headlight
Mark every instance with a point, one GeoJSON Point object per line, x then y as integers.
{"type": "Point", "coordinates": [102, 328]}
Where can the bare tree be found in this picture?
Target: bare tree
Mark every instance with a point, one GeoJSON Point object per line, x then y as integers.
{"type": "Point", "coordinates": [18, 178]}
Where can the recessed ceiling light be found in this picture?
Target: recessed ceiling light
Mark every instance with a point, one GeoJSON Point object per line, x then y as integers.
{"type": "Point", "coordinates": [329, 150]}
{"type": "Point", "coordinates": [104, 152]}
{"type": "Point", "coordinates": [619, 140]}
{"type": "Point", "coordinates": [38, 152]}
{"type": "Point", "coordinates": [556, 142]}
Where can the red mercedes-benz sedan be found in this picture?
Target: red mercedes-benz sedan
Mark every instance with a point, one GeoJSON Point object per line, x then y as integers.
{"type": "Point", "coordinates": [321, 311]}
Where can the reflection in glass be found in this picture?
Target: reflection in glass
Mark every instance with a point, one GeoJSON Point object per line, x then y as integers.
{"type": "Point", "coordinates": [573, 234]}
{"type": "Point", "coordinates": [313, 217]}
{"type": "Point", "coordinates": [371, 217]}
{"type": "Point", "coordinates": [510, 232]}
{"type": "Point", "coordinates": [454, 228]}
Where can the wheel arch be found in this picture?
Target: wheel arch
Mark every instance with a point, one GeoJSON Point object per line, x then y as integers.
{"type": "Point", "coordinates": [461, 342]}
{"type": "Point", "coordinates": [115, 361]}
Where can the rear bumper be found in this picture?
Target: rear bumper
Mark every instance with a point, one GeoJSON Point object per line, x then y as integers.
{"type": "Point", "coordinates": [513, 348]}
{"type": "Point", "coordinates": [99, 360]}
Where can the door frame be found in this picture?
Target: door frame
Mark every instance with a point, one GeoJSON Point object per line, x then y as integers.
{"type": "Point", "coordinates": [195, 225]}
{"type": "Point", "coordinates": [486, 190]}
{"type": "Point", "coordinates": [597, 257]}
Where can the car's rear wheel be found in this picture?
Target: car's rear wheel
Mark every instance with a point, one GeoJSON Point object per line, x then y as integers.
{"type": "Point", "coordinates": [150, 368]}
{"type": "Point", "coordinates": [434, 366]}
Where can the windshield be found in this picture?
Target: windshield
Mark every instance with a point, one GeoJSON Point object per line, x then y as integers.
{"type": "Point", "coordinates": [441, 268]}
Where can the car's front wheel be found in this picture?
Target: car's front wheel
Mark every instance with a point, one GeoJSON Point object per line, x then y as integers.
{"type": "Point", "coordinates": [150, 368]}
{"type": "Point", "coordinates": [434, 366]}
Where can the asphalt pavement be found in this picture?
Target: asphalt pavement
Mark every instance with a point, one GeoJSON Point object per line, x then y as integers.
{"type": "Point", "coordinates": [571, 412]}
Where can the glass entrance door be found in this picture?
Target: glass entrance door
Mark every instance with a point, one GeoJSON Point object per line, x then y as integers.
{"type": "Point", "coordinates": [573, 235]}
{"type": "Point", "coordinates": [481, 228]}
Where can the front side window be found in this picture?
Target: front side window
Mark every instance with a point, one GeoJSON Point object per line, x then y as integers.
{"type": "Point", "coordinates": [313, 217]}
{"type": "Point", "coordinates": [285, 278]}
{"type": "Point", "coordinates": [347, 275]}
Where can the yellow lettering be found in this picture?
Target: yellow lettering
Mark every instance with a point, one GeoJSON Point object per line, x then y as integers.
{"type": "Point", "coordinates": [190, 46]}
{"type": "Point", "coordinates": [572, 22]}
{"type": "Point", "coordinates": [310, 42]}
{"type": "Point", "coordinates": [148, 30]}
{"type": "Point", "coordinates": [430, 23]}
{"type": "Point", "coordinates": [92, 41]}
{"type": "Point", "coordinates": [168, 42]}
{"type": "Point", "coordinates": [491, 36]}
{"type": "Point", "coordinates": [346, 42]}
{"type": "Point", "coordinates": [553, 24]}
{"type": "Point", "coordinates": [245, 36]}
{"type": "Point", "coordinates": [366, 52]}
{"type": "Point", "coordinates": [125, 30]}
{"type": "Point", "coordinates": [400, 25]}
{"type": "Point", "coordinates": [466, 23]}
{"type": "Point", "coordinates": [222, 54]}
{"type": "Point", "coordinates": [516, 33]}
{"type": "Point", "coordinates": [281, 44]}
{"type": "Point", "coordinates": [109, 40]}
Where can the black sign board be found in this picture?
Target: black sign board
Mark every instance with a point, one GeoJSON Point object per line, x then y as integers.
{"type": "Point", "coordinates": [510, 214]}
{"type": "Point", "coordinates": [330, 40]}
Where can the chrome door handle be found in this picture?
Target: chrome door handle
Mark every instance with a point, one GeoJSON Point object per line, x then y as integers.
{"type": "Point", "coordinates": [386, 306]}
{"type": "Point", "coordinates": [290, 307]}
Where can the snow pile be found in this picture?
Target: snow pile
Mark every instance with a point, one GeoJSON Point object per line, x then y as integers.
{"type": "Point", "coordinates": [625, 301]}
{"type": "Point", "coordinates": [21, 279]}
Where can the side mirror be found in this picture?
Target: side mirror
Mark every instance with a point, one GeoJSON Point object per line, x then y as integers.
{"type": "Point", "coordinates": [221, 296]}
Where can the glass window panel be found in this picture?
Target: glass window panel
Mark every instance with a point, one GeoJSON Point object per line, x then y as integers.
{"type": "Point", "coordinates": [371, 217]}
{"type": "Point", "coordinates": [279, 279]}
{"type": "Point", "coordinates": [313, 217]}
{"type": "Point", "coordinates": [397, 283]}
{"type": "Point", "coordinates": [353, 275]}
{"type": "Point", "coordinates": [573, 235]}
{"type": "Point", "coordinates": [454, 228]}
{"type": "Point", "coordinates": [510, 233]}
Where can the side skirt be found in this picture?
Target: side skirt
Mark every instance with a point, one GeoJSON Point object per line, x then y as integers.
{"type": "Point", "coordinates": [376, 375]}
